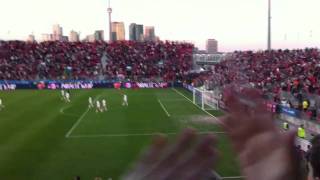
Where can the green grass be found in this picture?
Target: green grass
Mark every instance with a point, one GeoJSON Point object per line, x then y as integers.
{"type": "Point", "coordinates": [34, 124]}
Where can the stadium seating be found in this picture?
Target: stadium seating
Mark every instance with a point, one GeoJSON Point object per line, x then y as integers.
{"type": "Point", "coordinates": [122, 59]}
{"type": "Point", "coordinates": [284, 76]}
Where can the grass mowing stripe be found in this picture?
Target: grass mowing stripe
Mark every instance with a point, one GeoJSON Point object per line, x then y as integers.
{"type": "Point", "coordinates": [197, 106]}
{"type": "Point", "coordinates": [77, 123]}
{"type": "Point", "coordinates": [9, 100]}
{"type": "Point", "coordinates": [23, 121]}
{"type": "Point", "coordinates": [27, 141]}
{"type": "Point", "coordinates": [80, 119]}
{"type": "Point", "coordinates": [41, 151]}
{"type": "Point", "coordinates": [165, 110]}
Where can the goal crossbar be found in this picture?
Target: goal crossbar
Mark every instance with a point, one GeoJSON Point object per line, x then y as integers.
{"type": "Point", "coordinates": [207, 100]}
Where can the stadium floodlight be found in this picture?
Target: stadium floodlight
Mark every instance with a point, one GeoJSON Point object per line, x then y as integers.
{"type": "Point", "coordinates": [269, 25]}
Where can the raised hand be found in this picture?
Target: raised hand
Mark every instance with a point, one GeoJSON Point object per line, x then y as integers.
{"type": "Point", "coordinates": [189, 158]}
{"type": "Point", "coordinates": [264, 153]}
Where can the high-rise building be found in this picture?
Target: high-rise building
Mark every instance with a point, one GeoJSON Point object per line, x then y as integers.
{"type": "Point", "coordinates": [47, 37]}
{"type": "Point", "coordinates": [90, 38]}
{"type": "Point", "coordinates": [74, 36]}
{"type": "Point", "coordinates": [212, 46]}
{"type": "Point", "coordinates": [139, 32]}
{"type": "Point", "coordinates": [57, 32]}
{"type": "Point", "coordinates": [31, 38]}
{"type": "Point", "coordinates": [136, 32]}
{"type": "Point", "coordinates": [99, 35]}
{"type": "Point", "coordinates": [113, 36]}
{"type": "Point", "coordinates": [149, 33]}
{"type": "Point", "coordinates": [65, 38]}
{"type": "Point", "coordinates": [118, 32]}
{"type": "Point", "coordinates": [132, 32]}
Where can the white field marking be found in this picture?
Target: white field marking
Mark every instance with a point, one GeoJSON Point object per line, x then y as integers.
{"type": "Point", "coordinates": [67, 114]}
{"type": "Point", "coordinates": [165, 110]}
{"type": "Point", "coordinates": [172, 99]}
{"type": "Point", "coordinates": [75, 125]}
{"type": "Point", "coordinates": [137, 134]}
{"type": "Point", "coordinates": [233, 177]}
{"type": "Point", "coordinates": [220, 122]}
{"type": "Point", "coordinates": [64, 108]}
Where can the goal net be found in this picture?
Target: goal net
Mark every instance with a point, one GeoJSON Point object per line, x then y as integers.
{"type": "Point", "coordinates": [205, 99]}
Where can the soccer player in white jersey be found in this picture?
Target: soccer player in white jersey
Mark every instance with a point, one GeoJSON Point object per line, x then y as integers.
{"type": "Point", "coordinates": [90, 103]}
{"type": "Point", "coordinates": [98, 106]}
{"type": "Point", "coordinates": [63, 93]}
{"type": "Point", "coordinates": [104, 105]}
{"type": "Point", "coordinates": [67, 97]}
{"type": "Point", "coordinates": [1, 104]}
{"type": "Point", "coordinates": [125, 100]}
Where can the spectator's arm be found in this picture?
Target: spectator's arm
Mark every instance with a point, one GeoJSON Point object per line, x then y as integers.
{"type": "Point", "coordinates": [264, 152]}
{"type": "Point", "coordinates": [191, 157]}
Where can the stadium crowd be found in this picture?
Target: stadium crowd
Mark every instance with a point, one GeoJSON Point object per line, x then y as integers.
{"type": "Point", "coordinates": [290, 78]}
{"type": "Point", "coordinates": [295, 71]}
{"type": "Point", "coordinates": [82, 60]}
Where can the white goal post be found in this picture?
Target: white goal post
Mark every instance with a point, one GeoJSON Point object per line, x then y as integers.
{"type": "Point", "coordinates": [207, 100]}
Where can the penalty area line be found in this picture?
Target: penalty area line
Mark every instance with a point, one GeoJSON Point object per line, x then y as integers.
{"type": "Point", "coordinates": [214, 117]}
{"type": "Point", "coordinates": [217, 176]}
{"type": "Point", "coordinates": [233, 177]}
{"type": "Point", "coordinates": [75, 125]}
{"type": "Point", "coordinates": [219, 121]}
{"type": "Point", "coordinates": [67, 114]}
{"type": "Point", "coordinates": [137, 134]}
{"type": "Point", "coordinates": [164, 109]}
{"type": "Point", "coordinates": [64, 108]}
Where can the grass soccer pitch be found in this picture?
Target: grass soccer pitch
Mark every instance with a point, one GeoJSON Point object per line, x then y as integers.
{"type": "Point", "coordinates": [42, 137]}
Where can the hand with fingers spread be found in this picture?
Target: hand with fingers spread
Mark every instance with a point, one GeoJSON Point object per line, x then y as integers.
{"type": "Point", "coordinates": [191, 157]}
{"type": "Point", "coordinates": [264, 153]}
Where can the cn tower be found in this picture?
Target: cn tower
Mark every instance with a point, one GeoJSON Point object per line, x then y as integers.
{"type": "Point", "coordinates": [110, 24]}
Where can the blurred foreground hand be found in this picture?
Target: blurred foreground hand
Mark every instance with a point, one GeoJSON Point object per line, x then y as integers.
{"type": "Point", "coordinates": [190, 157]}
{"type": "Point", "coordinates": [264, 153]}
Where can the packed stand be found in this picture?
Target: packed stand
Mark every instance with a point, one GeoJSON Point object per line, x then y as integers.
{"type": "Point", "coordinates": [168, 60]}
{"type": "Point", "coordinates": [105, 61]}
{"type": "Point", "coordinates": [290, 78]}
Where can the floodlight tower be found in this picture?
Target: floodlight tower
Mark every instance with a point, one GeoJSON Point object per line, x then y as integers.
{"type": "Point", "coordinates": [110, 23]}
{"type": "Point", "coordinates": [269, 25]}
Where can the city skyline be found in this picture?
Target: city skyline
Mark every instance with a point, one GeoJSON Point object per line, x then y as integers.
{"type": "Point", "coordinates": [238, 27]}
{"type": "Point", "coordinates": [116, 29]}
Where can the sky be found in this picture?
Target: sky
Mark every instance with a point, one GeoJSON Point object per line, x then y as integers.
{"type": "Point", "coordinates": [236, 24]}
